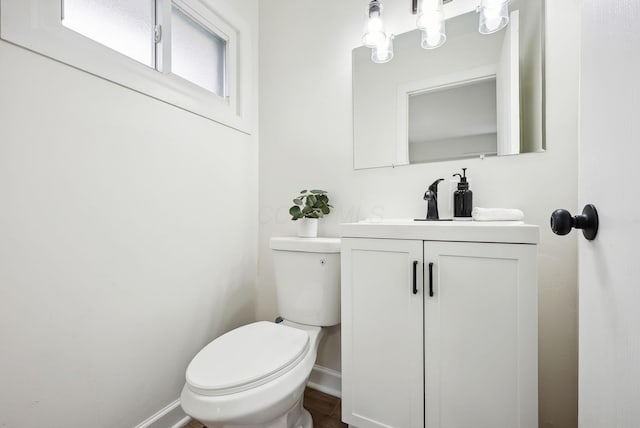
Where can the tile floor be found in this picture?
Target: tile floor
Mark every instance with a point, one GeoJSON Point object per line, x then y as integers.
{"type": "Point", "coordinates": [325, 410]}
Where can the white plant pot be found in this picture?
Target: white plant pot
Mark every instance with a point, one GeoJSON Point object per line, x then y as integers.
{"type": "Point", "coordinates": [308, 227]}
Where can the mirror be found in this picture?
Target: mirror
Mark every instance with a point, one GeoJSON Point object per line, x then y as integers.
{"type": "Point", "coordinates": [475, 96]}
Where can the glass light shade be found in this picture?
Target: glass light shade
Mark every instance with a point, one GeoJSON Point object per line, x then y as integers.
{"type": "Point", "coordinates": [383, 52]}
{"type": "Point", "coordinates": [433, 37]}
{"type": "Point", "coordinates": [373, 32]}
{"type": "Point", "coordinates": [494, 16]}
{"type": "Point", "coordinates": [432, 40]}
{"type": "Point", "coordinates": [431, 22]}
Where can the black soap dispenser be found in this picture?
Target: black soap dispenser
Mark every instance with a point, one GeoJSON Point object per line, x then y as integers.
{"type": "Point", "coordinates": [462, 198]}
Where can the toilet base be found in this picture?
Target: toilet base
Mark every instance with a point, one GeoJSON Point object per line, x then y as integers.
{"type": "Point", "coordinates": [296, 417]}
{"type": "Point", "coordinates": [306, 421]}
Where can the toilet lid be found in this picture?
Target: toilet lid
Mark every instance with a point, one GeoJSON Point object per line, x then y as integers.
{"type": "Point", "coordinates": [246, 357]}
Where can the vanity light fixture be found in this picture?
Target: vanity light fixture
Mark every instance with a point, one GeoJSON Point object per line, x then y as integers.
{"type": "Point", "coordinates": [494, 16]}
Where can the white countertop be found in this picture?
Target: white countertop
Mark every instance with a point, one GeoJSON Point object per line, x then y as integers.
{"type": "Point", "coordinates": [512, 232]}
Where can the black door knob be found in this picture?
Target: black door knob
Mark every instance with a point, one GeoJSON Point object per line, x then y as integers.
{"type": "Point", "coordinates": [562, 222]}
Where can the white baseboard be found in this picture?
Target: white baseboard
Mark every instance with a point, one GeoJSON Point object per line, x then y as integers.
{"type": "Point", "coordinates": [326, 380]}
{"type": "Point", "coordinates": [171, 416]}
{"type": "Point", "coordinates": [182, 422]}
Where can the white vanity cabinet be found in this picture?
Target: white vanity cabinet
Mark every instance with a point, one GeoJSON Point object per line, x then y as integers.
{"type": "Point", "coordinates": [456, 350]}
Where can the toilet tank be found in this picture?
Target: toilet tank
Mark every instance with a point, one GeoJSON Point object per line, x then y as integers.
{"type": "Point", "coordinates": [307, 272]}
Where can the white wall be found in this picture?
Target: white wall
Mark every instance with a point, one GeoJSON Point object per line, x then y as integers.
{"type": "Point", "coordinates": [306, 141]}
{"type": "Point", "coordinates": [127, 241]}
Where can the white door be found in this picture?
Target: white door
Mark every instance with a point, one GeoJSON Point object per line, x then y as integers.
{"type": "Point", "coordinates": [609, 266]}
{"type": "Point", "coordinates": [481, 335]}
{"type": "Point", "coordinates": [382, 341]}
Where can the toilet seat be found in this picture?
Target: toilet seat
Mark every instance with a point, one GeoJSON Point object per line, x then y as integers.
{"type": "Point", "coordinates": [245, 358]}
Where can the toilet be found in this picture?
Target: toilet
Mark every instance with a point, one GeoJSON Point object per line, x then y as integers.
{"type": "Point", "coordinates": [255, 376]}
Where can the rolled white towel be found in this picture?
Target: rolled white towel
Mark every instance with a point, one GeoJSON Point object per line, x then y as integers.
{"type": "Point", "coordinates": [497, 214]}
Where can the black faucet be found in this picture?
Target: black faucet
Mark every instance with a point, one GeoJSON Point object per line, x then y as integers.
{"type": "Point", "coordinates": [431, 196]}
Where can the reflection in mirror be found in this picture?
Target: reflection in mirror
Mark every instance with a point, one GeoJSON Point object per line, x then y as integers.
{"type": "Point", "coordinates": [453, 122]}
{"type": "Point", "coordinates": [477, 95]}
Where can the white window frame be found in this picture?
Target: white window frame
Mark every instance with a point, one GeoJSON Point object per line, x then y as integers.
{"type": "Point", "coordinates": [37, 26]}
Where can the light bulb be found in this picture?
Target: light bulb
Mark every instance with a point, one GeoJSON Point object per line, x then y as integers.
{"type": "Point", "coordinates": [494, 15]}
{"type": "Point", "coordinates": [383, 52]}
{"type": "Point", "coordinates": [374, 34]}
{"type": "Point", "coordinates": [432, 19]}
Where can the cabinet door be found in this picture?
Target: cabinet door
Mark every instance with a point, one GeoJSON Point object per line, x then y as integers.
{"type": "Point", "coordinates": [382, 340]}
{"type": "Point", "coordinates": [481, 357]}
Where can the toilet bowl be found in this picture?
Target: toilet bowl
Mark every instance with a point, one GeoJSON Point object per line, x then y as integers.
{"type": "Point", "coordinates": [273, 397]}
{"type": "Point", "coordinates": [254, 376]}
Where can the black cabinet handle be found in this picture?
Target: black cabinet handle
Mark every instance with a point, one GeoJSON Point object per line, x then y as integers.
{"type": "Point", "coordinates": [415, 277]}
{"type": "Point", "coordinates": [431, 279]}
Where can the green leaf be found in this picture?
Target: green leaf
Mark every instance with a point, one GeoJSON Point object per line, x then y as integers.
{"type": "Point", "coordinates": [311, 204]}
{"type": "Point", "coordinates": [295, 210]}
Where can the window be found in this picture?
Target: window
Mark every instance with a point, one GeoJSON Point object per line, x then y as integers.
{"type": "Point", "coordinates": [184, 52]}
{"type": "Point", "coordinates": [125, 26]}
{"type": "Point", "coordinates": [197, 53]}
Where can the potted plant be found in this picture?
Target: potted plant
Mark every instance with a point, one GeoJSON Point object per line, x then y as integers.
{"type": "Point", "coordinates": [309, 207]}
